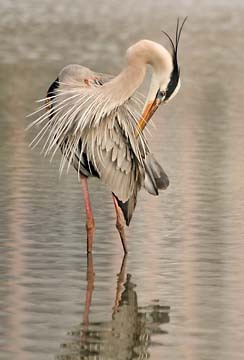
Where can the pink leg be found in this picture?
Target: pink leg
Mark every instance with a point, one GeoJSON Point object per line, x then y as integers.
{"type": "Point", "coordinates": [120, 224]}
{"type": "Point", "coordinates": [89, 215]}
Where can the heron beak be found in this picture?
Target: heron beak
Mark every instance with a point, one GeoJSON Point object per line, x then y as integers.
{"type": "Point", "coordinates": [148, 112]}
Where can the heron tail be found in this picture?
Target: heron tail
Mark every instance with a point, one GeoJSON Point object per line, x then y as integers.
{"type": "Point", "coordinates": [155, 177]}
{"type": "Point", "coordinates": [128, 207]}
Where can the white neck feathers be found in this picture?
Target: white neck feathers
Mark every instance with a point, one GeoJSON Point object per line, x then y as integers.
{"type": "Point", "coordinates": [139, 55]}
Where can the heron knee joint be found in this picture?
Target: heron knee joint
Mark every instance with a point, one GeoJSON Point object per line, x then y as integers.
{"type": "Point", "coordinates": [119, 226]}
{"type": "Point", "coordinates": [90, 224]}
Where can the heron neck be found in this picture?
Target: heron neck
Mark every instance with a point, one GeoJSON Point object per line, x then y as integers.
{"type": "Point", "coordinates": [126, 83]}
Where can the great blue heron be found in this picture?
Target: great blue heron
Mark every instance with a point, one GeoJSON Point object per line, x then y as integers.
{"type": "Point", "coordinates": [97, 122]}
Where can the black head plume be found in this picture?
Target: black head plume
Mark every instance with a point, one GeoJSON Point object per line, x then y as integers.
{"type": "Point", "coordinates": [175, 45]}
{"type": "Point", "coordinates": [175, 75]}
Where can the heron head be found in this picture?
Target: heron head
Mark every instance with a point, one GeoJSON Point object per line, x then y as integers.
{"type": "Point", "coordinates": [168, 90]}
{"type": "Point", "coordinates": [165, 84]}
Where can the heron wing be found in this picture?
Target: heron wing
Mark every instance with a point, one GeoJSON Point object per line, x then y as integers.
{"type": "Point", "coordinates": [81, 120]}
{"type": "Point", "coordinates": [110, 149]}
{"type": "Point", "coordinates": [96, 134]}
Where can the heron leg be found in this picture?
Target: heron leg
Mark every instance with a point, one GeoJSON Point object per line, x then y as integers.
{"type": "Point", "coordinates": [89, 216]}
{"type": "Point", "coordinates": [120, 224]}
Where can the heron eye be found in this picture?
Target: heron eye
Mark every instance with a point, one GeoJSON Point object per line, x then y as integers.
{"type": "Point", "coordinates": [161, 95]}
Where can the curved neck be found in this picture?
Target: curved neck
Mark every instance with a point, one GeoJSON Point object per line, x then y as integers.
{"type": "Point", "coordinates": [143, 53]}
{"type": "Point", "coordinates": [123, 86]}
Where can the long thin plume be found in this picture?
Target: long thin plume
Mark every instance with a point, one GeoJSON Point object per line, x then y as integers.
{"type": "Point", "coordinates": [178, 31]}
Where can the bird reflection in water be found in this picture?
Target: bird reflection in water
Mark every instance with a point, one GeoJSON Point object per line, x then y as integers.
{"type": "Point", "coordinates": [126, 336]}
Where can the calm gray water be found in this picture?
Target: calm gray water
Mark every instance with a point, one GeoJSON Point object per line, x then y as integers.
{"type": "Point", "coordinates": [179, 294]}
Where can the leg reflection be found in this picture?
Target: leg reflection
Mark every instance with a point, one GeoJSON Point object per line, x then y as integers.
{"type": "Point", "coordinates": [125, 333]}
{"type": "Point", "coordinates": [120, 283]}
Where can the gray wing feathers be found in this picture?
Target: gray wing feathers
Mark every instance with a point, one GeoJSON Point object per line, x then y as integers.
{"type": "Point", "coordinates": [155, 177]}
{"type": "Point", "coordinates": [111, 153]}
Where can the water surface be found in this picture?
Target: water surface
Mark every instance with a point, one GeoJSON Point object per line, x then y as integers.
{"type": "Point", "coordinates": [179, 293]}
